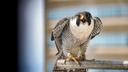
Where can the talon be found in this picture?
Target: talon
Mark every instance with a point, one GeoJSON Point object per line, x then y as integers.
{"type": "Point", "coordinates": [81, 58]}
{"type": "Point", "coordinates": [57, 53]}
{"type": "Point", "coordinates": [71, 57]}
{"type": "Point", "coordinates": [67, 59]}
{"type": "Point", "coordinates": [76, 61]}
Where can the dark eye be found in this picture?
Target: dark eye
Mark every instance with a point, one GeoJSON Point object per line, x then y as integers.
{"type": "Point", "coordinates": [78, 21]}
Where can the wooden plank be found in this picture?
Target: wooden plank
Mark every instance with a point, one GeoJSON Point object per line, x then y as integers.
{"type": "Point", "coordinates": [92, 64]}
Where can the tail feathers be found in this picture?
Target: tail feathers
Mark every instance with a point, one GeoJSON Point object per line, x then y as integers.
{"type": "Point", "coordinates": [52, 37]}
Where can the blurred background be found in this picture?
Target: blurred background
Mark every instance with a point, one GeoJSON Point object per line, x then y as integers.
{"type": "Point", "coordinates": [110, 44]}
{"type": "Point", "coordinates": [34, 33]}
{"type": "Point", "coordinates": [31, 41]}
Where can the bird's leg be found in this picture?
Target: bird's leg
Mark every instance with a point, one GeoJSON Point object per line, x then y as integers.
{"type": "Point", "coordinates": [81, 55]}
{"type": "Point", "coordinates": [71, 57]}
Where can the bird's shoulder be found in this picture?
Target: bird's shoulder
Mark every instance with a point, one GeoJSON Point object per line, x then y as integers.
{"type": "Point", "coordinates": [57, 30]}
{"type": "Point", "coordinates": [61, 22]}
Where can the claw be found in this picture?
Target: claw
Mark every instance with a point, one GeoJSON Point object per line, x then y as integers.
{"type": "Point", "coordinates": [67, 59]}
{"type": "Point", "coordinates": [76, 61]}
{"type": "Point", "coordinates": [71, 57]}
{"type": "Point", "coordinates": [57, 53]}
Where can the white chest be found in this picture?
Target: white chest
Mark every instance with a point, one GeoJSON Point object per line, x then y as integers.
{"type": "Point", "coordinates": [82, 31]}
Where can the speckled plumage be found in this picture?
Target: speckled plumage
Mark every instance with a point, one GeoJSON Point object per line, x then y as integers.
{"type": "Point", "coordinates": [73, 38]}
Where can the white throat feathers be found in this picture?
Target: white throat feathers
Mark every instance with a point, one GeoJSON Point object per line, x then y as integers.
{"type": "Point", "coordinates": [82, 31]}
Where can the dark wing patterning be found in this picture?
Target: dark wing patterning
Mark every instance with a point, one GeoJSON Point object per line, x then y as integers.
{"type": "Point", "coordinates": [57, 32]}
{"type": "Point", "coordinates": [97, 27]}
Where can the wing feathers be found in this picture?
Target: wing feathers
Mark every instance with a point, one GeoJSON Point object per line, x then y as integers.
{"type": "Point", "coordinates": [57, 32]}
{"type": "Point", "coordinates": [97, 27]}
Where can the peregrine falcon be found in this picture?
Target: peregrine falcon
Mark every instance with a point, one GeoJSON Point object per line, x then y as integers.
{"type": "Point", "coordinates": [72, 35]}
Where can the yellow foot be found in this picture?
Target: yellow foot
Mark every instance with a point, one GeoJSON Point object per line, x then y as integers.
{"type": "Point", "coordinates": [71, 57]}
{"type": "Point", "coordinates": [81, 58]}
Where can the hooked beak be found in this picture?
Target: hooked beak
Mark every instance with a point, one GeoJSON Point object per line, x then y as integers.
{"type": "Point", "coordinates": [82, 18]}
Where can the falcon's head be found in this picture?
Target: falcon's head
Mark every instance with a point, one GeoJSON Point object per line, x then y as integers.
{"type": "Point", "coordinates": [82, 18]}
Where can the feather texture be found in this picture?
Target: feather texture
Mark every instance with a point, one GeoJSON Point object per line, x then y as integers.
{"type": "Point", "coordinates": [97, 27]}
{"type": "Point", "coordinates": [73, 38]}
